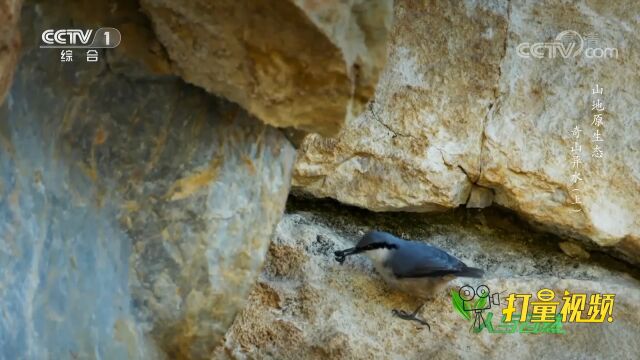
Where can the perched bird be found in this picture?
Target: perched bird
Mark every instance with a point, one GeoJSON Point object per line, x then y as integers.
{"type": "Point", "coordinates": [416, 268]}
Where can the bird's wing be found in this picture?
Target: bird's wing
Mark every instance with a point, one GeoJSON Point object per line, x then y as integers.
{"type": "Point", "coordinates": [423, 260]}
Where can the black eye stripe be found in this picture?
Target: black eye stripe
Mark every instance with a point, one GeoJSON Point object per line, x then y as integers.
{"type": "Point", "coordinates": [374, 246]}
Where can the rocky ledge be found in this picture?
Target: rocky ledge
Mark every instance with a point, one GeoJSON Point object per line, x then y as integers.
{"type": "Point", "coordinates": [306, 305]}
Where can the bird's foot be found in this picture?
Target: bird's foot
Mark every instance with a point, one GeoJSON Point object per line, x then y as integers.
{"type": "Point", "coordinates": [411, 316]}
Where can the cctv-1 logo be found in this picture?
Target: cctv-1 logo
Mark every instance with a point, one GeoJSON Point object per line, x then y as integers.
{"type": "Point", "coordinates": [105, 37]}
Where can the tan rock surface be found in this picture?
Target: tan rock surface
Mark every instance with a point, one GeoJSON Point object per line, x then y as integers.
{"type": "Point", "coordinates": [526, 155]}
{"type": "Point", "coordinates": [306, 64]}
{"type": "Point", "coordinates": [306, 305]}
{"type": "Point", "coordinates": [417, 147]}
{"type": "Point", "coordinates": [456, 108]}
{"type": "Point", "coordinates": [9, 42]}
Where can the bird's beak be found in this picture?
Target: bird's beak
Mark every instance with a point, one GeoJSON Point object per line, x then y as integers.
{"type": "Point", "coordinates": [342, 254]}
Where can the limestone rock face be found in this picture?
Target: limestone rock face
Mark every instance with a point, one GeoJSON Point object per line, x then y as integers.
{"type": "Point", "coordinates": [135, 213]}
{"type": "Point", "coordinates": [307, 306]}
{"type": "Point", "coordinates": [526, 155]}
{"type": "Point", "coordinates": [9, 42]}
{"type": "Point", "coordinates": [306, 64]}
{"type": "Point", "coordinates": [459, 118]}
{"type": "Point", "coordinates": [417, 147]}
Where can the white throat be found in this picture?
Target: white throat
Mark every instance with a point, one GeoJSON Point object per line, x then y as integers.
{"type": "Point", "coordinates": [378, 256]}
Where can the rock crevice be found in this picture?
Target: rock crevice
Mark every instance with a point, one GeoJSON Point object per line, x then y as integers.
{"type": "Point", "coordinates": [490, 117]}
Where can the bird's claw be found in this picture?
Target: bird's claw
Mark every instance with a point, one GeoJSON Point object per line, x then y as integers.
{"type": "Point", "coordinates": [340, 257]}
{"type": "Point", "coordinates": [400, 313]}
{"type": "Point", "coordinates": [411, 317]}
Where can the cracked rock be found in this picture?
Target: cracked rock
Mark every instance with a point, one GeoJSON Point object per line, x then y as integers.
{"type": "Point", "coordinates": [292, 63]}
{"type": "Point", "coordinates": [456, 107]}
{"type": "Point", "coordinates": [417, 147]}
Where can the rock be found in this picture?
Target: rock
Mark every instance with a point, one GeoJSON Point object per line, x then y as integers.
{"type": "Point", "coordinates": [135, 212]}
{"type": "Point", "coordinates": [140, 54]}
{"type": "Point", "coordinates": [480, 197]}
{"type": "Point", "coordinates": [573, 249]}
{"type": "Point", "coordinates": [526, 155]}
{"type": "Point", "coordinates": [306, 305]}
{"type": "Point", "coordinates": [456, 107]}
{"type": "Point", "coordinates": [417, 147]}
{"type": "Point", "coordinates": [303, 63]}
{"type": "Point", "coordinates": [9, 42]}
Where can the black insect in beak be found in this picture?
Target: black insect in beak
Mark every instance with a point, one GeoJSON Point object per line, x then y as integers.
{"type": "Point", "coordinates": [341, 255]}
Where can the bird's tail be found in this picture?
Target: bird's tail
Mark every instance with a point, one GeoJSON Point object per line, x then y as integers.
{"type": "Point", "coordinates": [471, 272]}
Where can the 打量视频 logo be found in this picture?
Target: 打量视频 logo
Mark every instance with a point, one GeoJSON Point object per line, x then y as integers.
{"type": "Point", "coordinates": [526, 314]}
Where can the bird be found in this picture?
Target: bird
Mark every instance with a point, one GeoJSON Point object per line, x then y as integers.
{"type": "Point", "coordinates": [414, 267]}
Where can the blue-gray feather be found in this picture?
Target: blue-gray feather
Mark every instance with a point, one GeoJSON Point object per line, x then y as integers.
{"type": "Point", "coordinates": [412, 259]}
